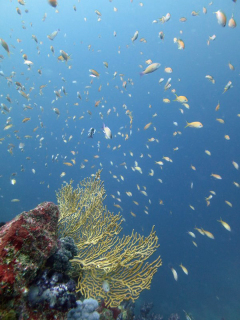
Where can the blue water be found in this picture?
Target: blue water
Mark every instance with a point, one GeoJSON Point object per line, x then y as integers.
{"type": "Point", "coordinates": [211, 289]}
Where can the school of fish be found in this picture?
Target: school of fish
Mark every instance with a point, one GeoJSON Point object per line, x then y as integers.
{"type": "Point", "coordinates": [44, 105]}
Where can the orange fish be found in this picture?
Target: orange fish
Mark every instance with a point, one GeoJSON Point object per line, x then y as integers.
{"type": "Point", "coordinates": [221, 18]}
{"type": "Point", "coordinates": [5, 46]}
{"type": "Point", "coordinates": [53, 3]}
{"type": "Point", "coordinates": [147, 126]}
{"type": "Point", "coordinates": [195, 124]}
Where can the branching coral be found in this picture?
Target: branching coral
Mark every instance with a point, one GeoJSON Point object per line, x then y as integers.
{"type": "Point", "coordinates": [108, 266]}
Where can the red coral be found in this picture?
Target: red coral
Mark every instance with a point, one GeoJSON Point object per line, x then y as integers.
{"type": "Point", "coordinates": [15, 235]}
{"type": "Point", "coordinates": [26, 243]}
{"type": "Point", "coordinates": [7, 275]}
{"type": "Point", "coordinates": [115, 311]}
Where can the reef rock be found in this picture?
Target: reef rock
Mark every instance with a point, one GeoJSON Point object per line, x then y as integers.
{"type": "Point", "coordinates": [26, 243]}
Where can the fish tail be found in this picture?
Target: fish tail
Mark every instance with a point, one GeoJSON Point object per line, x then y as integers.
{"type": "Point", "coordinates": [141, 74]}
{"type": "Point", "coordinates": [187, 125]}
{"type": "Point", "coordinates": [176, 97]}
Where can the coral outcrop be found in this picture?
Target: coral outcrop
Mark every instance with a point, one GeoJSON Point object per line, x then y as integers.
{"type": "Point", "coordinates": [85, 310]}
{"type": "Point", "coordinates": [59, 261]}
{"type": "Point", "coordinates": [52, 290]}
{"type": "Point", "coordinates": [26, 242]}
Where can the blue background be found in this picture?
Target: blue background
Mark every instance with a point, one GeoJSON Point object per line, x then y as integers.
{"type": "Point", "coordinates": [211, 290]}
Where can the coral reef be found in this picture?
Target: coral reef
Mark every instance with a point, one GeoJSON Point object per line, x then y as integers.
{"type": "Point", "coordinates": [145, 313]}
{"type": "Point", "coordinates": [108, 266]}
{"type": "Point", "coordinates": [108, 313]}
{"type": "Point", "coordinates": [54, 290]}
{"type": "Point", "coordinates": [85, 310]}
{"type": "Point", "coordinates": [59, 261]}
{"type": "Point", "coordinates": [174, 316]}
{"type": "Point", "coordinates": [26, 242]}
{"type": "Point", "coordinates": [127, 310]}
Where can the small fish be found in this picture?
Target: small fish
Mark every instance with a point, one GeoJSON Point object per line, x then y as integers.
{"type": "Point", "coordinates": [135, 36]}
{"type": "Point", "coordinates": [194, 243]}
{"type": "Point", "coordinates": [168, 70]}
{"type": "Point", "coordinates": [228, 203]}
{"type": "Point", "coordinates": [69, 164]}
{"type": "Point", "coordinates": [228, 86]}
{"type": "Point", "coordinates": [221, 18]}
{"type": "Point", "coordinates": [64, 55]}
{"type": "Point", "coordinates": [181, 44]}
{"type": "Point", "coordinates": [13, 182]}
{"type": "Point", "coordinates": [5, 46]}
{"type": "Point", "coordinates": [151, 68]}
{"type": "Point", "coordinates": [53, 3]}
{"type": "Point", "coordinates": [35, 38]}
{"type": "Point", "coordinates": [192, 234]}
{"type": "Point", "coordinates": [91, 132]}
{"type": "Point", "coordinates": [231, 67]}
{"type": "Point", "coordinates": [195, 124]}
{"type": "Point", "coordinates": [210, 78]}
{"type": "Point", "coordinates": [53, 35]}
{"type": "Point", "coordinates": [232, 23]}
{"type": "Point", "coordinates": [26, 120]}
{"type": "Point", "coordinates": [208, 152]}
{"type": "Point", "coordinates": [216, 176]}
{"type": "Point", "coordinates": [165, 18]}
{"type": "Point", "coordinates": [220, 120]}
{"type": "Point", "coordinates": [208, 234]}
{"type": "Point", "coordinates": [28, 63]}
{"type": "Point", "coordinates": [26, 96]}
{"type": "Point", "coordinates": [175, 275]}
{"type": "Point", "coordinates": [138, 169]}
{"type": "Point", "coordinates": [235, 164]}
{"type": "Point", "coordinates": [181, 99]}
{"type": "Point", "coordinates": [184, 269]}
{"type": "Point", "coordinates": [213, 37]}
{"type": "Point", "coordinates": [225, 224]}
{"type": "Point", "coordinates": [161, 35]}
{"type": "Point", "coordinates": [194, 13]}
{"type": "Point", "coordinates": [98, 13]}
{"type": "Point", "coordinates": [8, 126]}
{"type": "Point", "coordinates": [217, 107]}
{"type": "Point", "coordinates": [105, 64]}
{"type": "Point", "coordinates": [147, 126]}
{"type": "Point", "coordinates": [118, 206]}
{"type": "Point", "coordinates": [56, 110]}
{"type": "Point", "coordinates": [94, 73]}
{"type": "Point", "coordinates": [160, 163]}
{"type": "Point", "coordinates": [188, 316]}
{"type": "Point", "coordinates": [165, 100]}
{"type": "Point", "coordinates": [18, 11]}
{"type": "Point", "coordinates": [107, 132]}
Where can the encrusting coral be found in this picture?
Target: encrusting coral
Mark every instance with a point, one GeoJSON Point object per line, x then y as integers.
{"type": "Point", "coordinates": [108, 266]}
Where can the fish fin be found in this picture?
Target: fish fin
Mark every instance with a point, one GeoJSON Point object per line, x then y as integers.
{"type": "Point", "coordinates": [187, 125]}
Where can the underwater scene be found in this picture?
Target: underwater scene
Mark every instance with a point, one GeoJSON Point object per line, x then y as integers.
{"type": "Point", "coordinates": [119, 159]}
